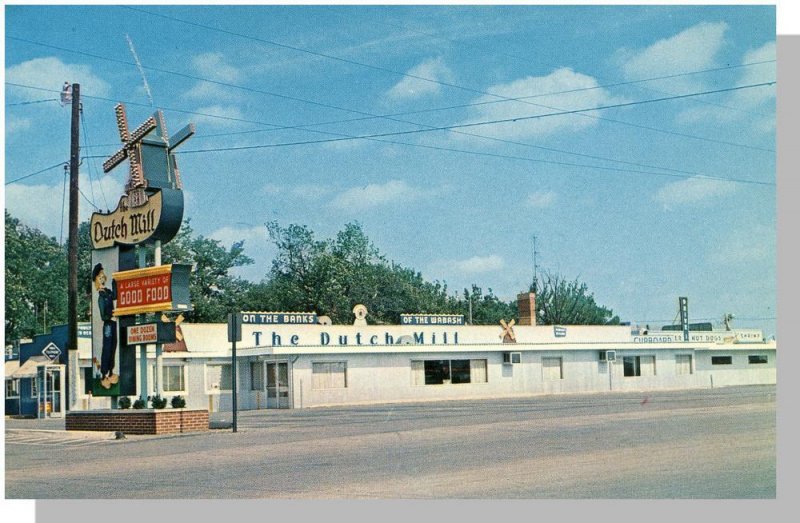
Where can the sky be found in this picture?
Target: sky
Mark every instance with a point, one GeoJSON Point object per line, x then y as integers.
{"type": "Point", "coordinates": [635, 143]}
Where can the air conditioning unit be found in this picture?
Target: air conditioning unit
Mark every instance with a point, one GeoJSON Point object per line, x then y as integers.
{"type": "Point", "coordinates": [510, 358]}
{"type": "Point", "coordinates": [608, 355]}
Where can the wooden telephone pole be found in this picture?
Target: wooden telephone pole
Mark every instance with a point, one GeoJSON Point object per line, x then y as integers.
{"type": "Point", "coordinates": [72, 249]}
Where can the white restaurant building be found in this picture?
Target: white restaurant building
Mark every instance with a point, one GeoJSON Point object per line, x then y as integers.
{"type": "Point", "coordinates": [308, 365]}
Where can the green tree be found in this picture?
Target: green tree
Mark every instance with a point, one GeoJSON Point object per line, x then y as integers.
{"type": "Point", "coordinates": [214, 291]}
{"type": "Point", "coordinates": [486, 309]}
{"type": "Point", "coordinates": [562, 302]}
{"type": "Point", "coordinates": [35, 281]}
{"type": "Point", "coordinates": [331, 276]}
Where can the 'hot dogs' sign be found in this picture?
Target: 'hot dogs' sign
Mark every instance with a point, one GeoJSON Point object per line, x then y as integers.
{"type": "Point", "coordinates": [154, 289]}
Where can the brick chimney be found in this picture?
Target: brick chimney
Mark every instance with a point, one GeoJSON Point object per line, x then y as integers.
{"type": "Point", "coordinates": [526, 302]}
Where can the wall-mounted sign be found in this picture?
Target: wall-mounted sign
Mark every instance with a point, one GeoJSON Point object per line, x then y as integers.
{"type": "Point", "coordinates": [154, 289]}
{"type": "Point", "coordinates": [279, 318]}
{"type": "Point", "coordinates": [144, 333]}
{"type": "Point", "coordinates": [559, 332]}
{"type": "Point", "coordinates": [52, 351]}
{"type": "Point", "coordinates": [84, 330]}
{"type": "Point", "coordinates": [431, 319]}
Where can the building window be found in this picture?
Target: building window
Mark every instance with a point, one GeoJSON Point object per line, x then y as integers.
{"type": "Point", "coordinates": [12, 388]}
{"type": "Point", "coordinates": [552, 369]}
{"type": "Point", "coordinates": [754, 359]}
{"type": "Point", "coordinates": [440, 372]}
{"type": "Point", "coordinates": [721, 360]}
{"type": "Point", "coordinates": [172, 378]}
{"type": "Point", "coordinates": [683, 364]}
{"type": "Point", "coordinates": [218, 377]}
{"type": "Point", "coordinates": [639, 365]}
{"type": "Point", "coordinates": [329, 375]}
{"type": "Point", "coordinates": [257, 375]}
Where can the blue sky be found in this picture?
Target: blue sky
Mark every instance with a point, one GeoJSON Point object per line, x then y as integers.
{"type": "Point", "coordinates": [645, 201]}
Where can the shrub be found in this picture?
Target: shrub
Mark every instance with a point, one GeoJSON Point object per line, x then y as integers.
{"type": "Point", "coordinates": [178, 402]}
{"type": "Point", "coordinates": [124, 402]}
{"type": "Point", "coordinates": [158, 402]}
{"type": "Point", "coordinates": [138, 404]}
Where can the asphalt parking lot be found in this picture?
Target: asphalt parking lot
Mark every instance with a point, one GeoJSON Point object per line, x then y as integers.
{"type": "Point", "coordinates": [707, 444]}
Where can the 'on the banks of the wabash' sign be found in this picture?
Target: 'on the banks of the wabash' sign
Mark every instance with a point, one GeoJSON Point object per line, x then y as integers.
{"type": "Point", "coordinates": [150, 210]}
{"type": "Point", "coordinates": [279, 318]}
{"type": "Point", "coordinates": [432, 319]}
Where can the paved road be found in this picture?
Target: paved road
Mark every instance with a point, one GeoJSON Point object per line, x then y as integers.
{"type": "Point", "coordinates": [716, 443]}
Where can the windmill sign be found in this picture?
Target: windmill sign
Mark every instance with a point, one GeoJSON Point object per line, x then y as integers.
{"type": "Point", "coordinates": [152, 206]}
{"type": "Point", "coordinates": [149, 211]}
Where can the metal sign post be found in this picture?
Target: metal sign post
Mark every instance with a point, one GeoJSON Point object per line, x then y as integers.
{"type": "Point", "coordinates": [234, 335]}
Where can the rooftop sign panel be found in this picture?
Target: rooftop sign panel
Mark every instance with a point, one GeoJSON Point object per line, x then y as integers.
{"type": "Point", "coordinates": [431, 319]}
{"type": "Point", "coordinates": [279, 318]}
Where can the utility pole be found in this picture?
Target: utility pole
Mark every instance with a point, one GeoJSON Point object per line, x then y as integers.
{"type": "Point", "coordinates": [72, 249]}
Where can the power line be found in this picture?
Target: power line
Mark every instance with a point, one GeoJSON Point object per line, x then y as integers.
{"type": "Point", "coordinates": [91, 164]}
{"type": "Point", "coordinates": [345, 60]}
{"type": "Point", "coordinates": [565, 164]}
{"type": "Point", "coordinates": [59, 164]}
{"type": "Point", "coordinates": [494, 155]}
{"type": "Point", "coordinates": [493, 122]}
{"type": "Point", "coordinates": [32, 102]}
{"type": "Point", "coordinates": [365, 115]}
{"type": "Point", "coordinates": [628, 82]}
{"type": "Point", "coordinates": [347, 136]}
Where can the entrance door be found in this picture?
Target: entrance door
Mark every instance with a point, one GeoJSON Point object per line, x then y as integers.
{"type": "Point", "coordinates": [51, 391]}
{"type": "Point", "coordinates": [278, 385]}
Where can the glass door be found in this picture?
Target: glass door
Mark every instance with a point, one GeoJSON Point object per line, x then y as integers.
{"type": "Point", "coordinates": [278, 385]}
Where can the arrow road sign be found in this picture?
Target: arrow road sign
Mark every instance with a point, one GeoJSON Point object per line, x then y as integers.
{"type": "Point", "coordinates": [52, 351]}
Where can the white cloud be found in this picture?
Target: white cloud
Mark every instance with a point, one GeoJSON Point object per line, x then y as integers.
{"type": "Point", "coordinates": [40, 206]}
{"type": "Point", "coordinates": [214, 66]}
{"type": "Point", "coordinates": [219, 115]}
{"type": "Point", "coordinates": [744, 103]}
{"type": "Point", "coordinates": [256, 246]}
{"type": "Point", "coordinates": [16, 125]}
{"type": "Point", "coordinates": [738, 247]}
{"type": "Point", "coordinates": [693, 191]}
{"type": "Point", "coordinates": [376, 195]}
{"type": "Point", "coordinates": [541, 199]}
{"type": "Point", "coordinates": [306, 191]}
{"type": "Point", "coordinates": [209, 92]}
{"type": "Point", "coordinates": [478, 264]}
{"type": "Point", "coordinates": [51, 73]}
{"type": "Point", "coordinates": [410, 88]}
{"type": "Point", "coordinates": [461, 271]}
{"type": "Point", "coordinates": [575, 91]}
{"type": "Point", "coordinates": [755, 74]}
{"type": "Point", "coordinates": [690, 50]}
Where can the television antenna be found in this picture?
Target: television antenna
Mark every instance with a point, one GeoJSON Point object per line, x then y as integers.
{"type": "Point", "coordinates": [141, 69]}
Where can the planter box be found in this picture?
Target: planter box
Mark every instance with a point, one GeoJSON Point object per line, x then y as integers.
{"type": "Point", "coordinates": [139, 421]}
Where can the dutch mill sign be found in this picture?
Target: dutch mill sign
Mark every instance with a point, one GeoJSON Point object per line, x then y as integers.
{"type": "Point", "coordinates": [149, 211]}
